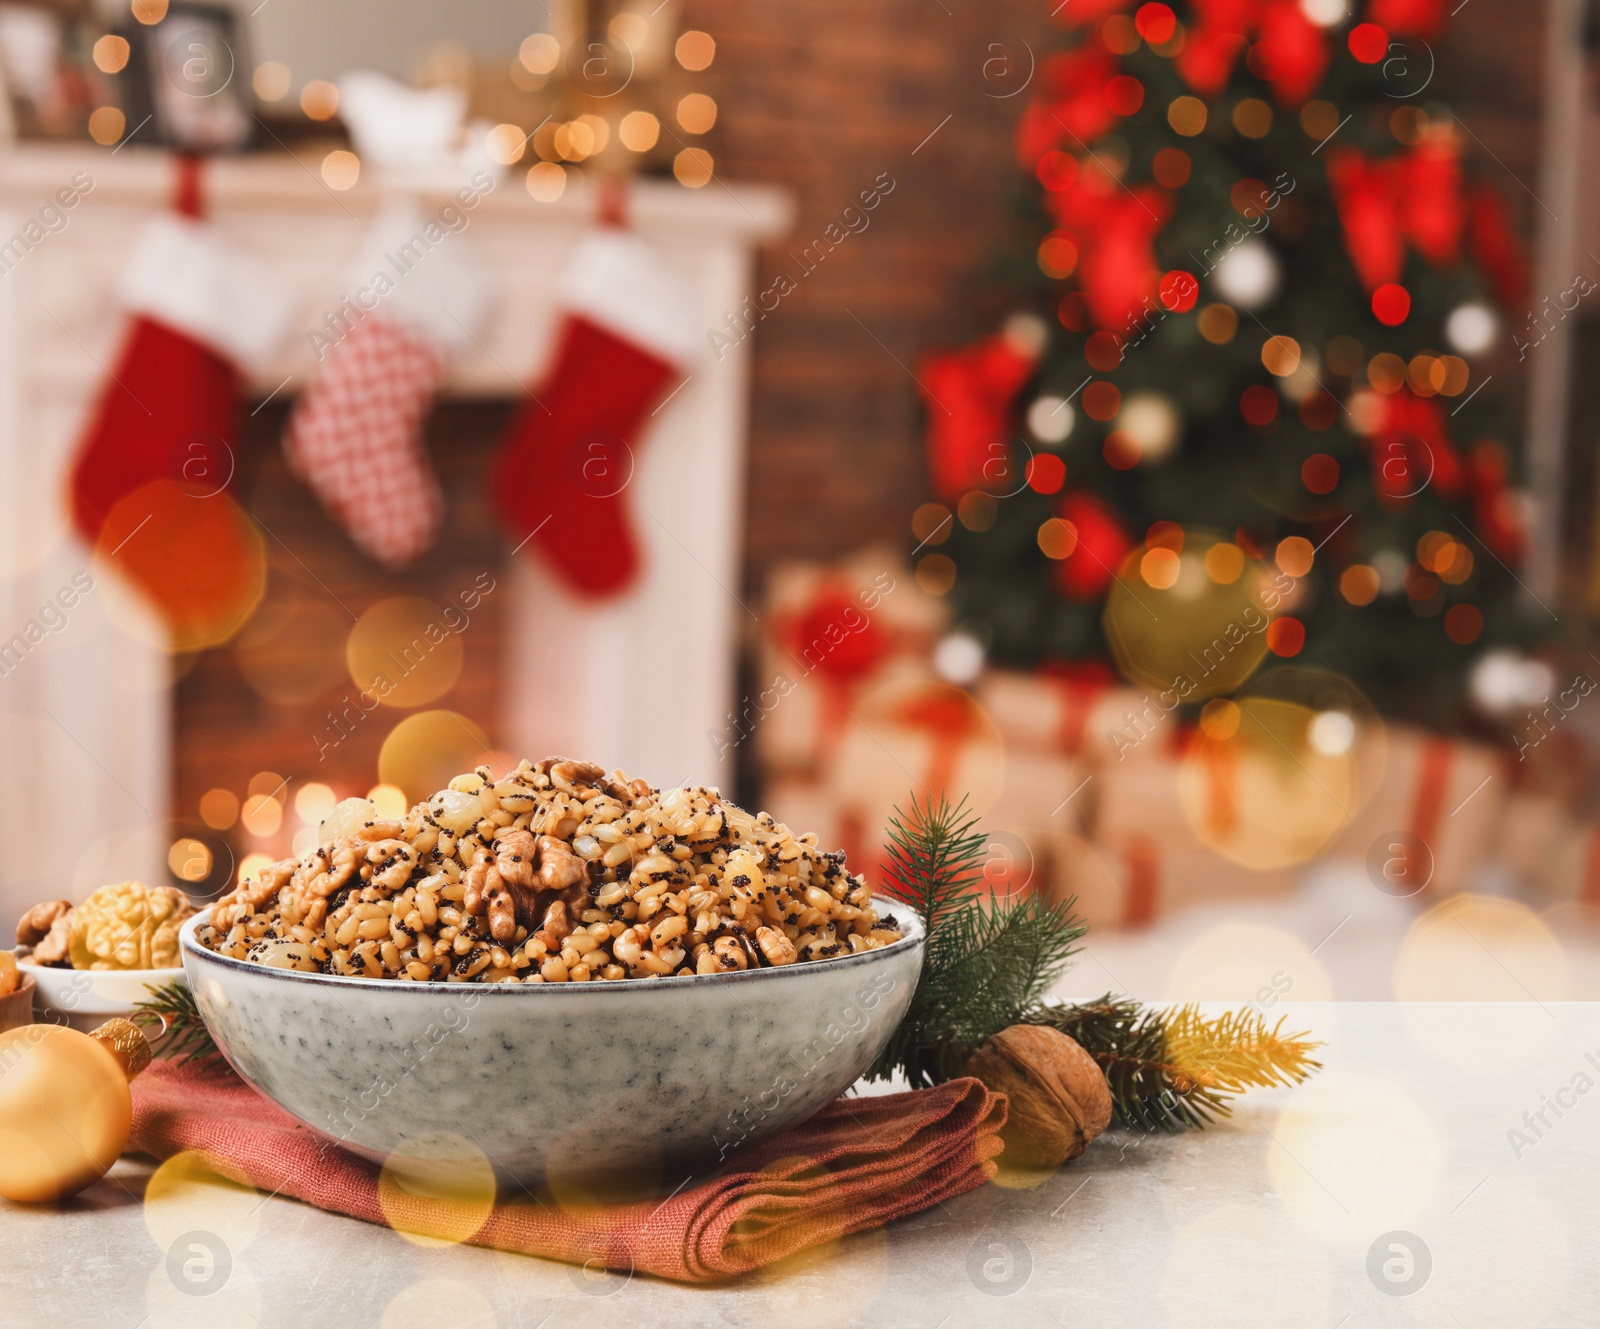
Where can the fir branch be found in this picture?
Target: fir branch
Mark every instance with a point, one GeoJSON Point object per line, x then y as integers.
{"type": "Point", "coordinates": [185, 1033]}
{"type": "Point", "coordinates": [935, 857]}
{"type": "Point", "coordinates": [987, 961]}
{"type": "Point", "coordinates": [1171, 1070]}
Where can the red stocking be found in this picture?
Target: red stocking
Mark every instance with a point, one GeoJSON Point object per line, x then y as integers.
{"type": "Point", "coordinates": [152, 478]}
{"type": "Point", "coordinates": [561, 474]}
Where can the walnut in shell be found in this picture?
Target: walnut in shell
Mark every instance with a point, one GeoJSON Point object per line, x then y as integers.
{"type": "Point", "coordinates": [1058, 1096]}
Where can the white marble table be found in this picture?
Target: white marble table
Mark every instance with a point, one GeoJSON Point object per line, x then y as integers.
{"type": "Point", "coordinates": [1269, 1219]}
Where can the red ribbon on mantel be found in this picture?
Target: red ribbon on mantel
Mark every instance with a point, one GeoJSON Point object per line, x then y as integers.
{"type": "Point", "coordinates": [187, 197]}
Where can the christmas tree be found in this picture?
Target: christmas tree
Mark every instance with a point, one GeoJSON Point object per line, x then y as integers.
{"type": "Point", "coordinates": [1270, 302]}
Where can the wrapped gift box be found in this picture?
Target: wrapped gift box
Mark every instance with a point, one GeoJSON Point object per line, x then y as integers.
{"type": "Point", "coordinates": [828, 633]}
{"type": "Point", "coordinates": [1448, 793]}
{"type": "Point", "coordinates": [1084, 714]}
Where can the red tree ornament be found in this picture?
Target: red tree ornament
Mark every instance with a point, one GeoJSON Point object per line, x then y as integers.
{"type": "Point", "coordinates": [969, 394]}
{"type": "Point", "coordinates": [1411, 451]}
{"type": "Point", "coordinates": [1102, 545]}
{"type": "Point", "coordinates": [1413, 196]}
{"type": "Point", "coordinates": [1292, 51]}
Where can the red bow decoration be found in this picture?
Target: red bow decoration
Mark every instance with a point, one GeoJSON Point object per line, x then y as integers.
{"type": "Point", "coordinates": [834, 636]}
{"type": "Point", "coordinates": [1408, 18]}
{"type": "Point", "coordinates": [1412, 196]}
{"type": "Point", "coordinates": [969, 394]}
{"type": "Point", "coordinates": [1496, 512]}
{"type": "Point", "coordinates": [1291, 51]}
{"type": "Point", "coordinates": [1495, 246]}
{"type": "Point", "coordinates": [1116, 229]}
{"type": "Point", "coordinates": [1102, 545]}
{"type": "Point", "coordinates": [1073, 106]}
{"type": "Point", "coordinates": [1411, 451]}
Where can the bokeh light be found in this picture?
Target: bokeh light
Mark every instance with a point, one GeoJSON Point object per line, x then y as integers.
{"type": "Point", "coordinates": [639, 131]}
{"type": "Point", "coordinates": [261, 816]}
{"type": "Point", "coordinates": [693, 167]}
{"type": "Point", "coordinates": [404, 652]}
{"type": "Point", "coordinates": [189, 860]}
{"type": "Point", "coordinates": [341, 169]}
{"type": "Point", "coordinates": [695, 50]}
{"type": "Point", "coordinates": [201, 561]}
{"type": "Point", "coordinates": [425, 751]}
{"type": "Point", "coordinates": [271, 81]}
{"type": "Point", "coordinates": [1195, 634]}
{"type": "Point", "coordinates": [194, 1191]}
{"type": "Point", "coordinates": [319, 99]}
{"type": "Point", "coordinates": [219, 808]}
{"type": "Point", "coordinates": [1306, 755]}
{"type": "Point", "coordinates": [1481, 948]}
{"type": "Point", "coordinates": [546, 181]}
{"type": "Point", "coordinates": [436, 1189]}
{"type": "Point", "coordinates": [416, 1306]}
{"type": "Point", "coordinates": [1354, 1153]}
{"type": "Point", "coordinates": [251, 864]}
{"type": "Point", "coordinates": [389, 802]}
{"type": "Point", "coordinates": [313, 802]}
{"type": "Point", "coordinates": [1250, 964]}
{"type": "Point", "coordinates": [111, 54]}
{"type": "Point", "coordinates": [506, 144]}
{"type": "Point", "coordinates": [106, 124]}
{"type": "Point", "coordinates": [540, 53]}
{"type": "Point", "coordinates": [292, 649]}
{"type": "Point", "coordinates": [697, 113]}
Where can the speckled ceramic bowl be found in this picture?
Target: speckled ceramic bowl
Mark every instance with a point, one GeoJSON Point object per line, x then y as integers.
{"type": "Point", "coordinates": [665, 1076]}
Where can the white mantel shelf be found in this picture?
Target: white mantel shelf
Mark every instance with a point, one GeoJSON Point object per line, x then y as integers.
{"type": "Point", "coordinates": [143, 177]}
{"type": "Point", "coordinates": [89, 711]}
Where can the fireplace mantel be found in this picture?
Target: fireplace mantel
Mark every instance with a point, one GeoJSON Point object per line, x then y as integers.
{"type": "Point", "coordinates": [642, 681]}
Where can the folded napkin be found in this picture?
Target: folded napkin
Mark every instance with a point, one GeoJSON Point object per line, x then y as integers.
{"type": "Point", "coordinates": [857, 1164]}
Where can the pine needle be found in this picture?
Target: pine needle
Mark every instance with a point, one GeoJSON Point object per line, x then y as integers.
{"type": "Point", "coordinates": [174, 1005]}
{"type": "Point", "coordinates": [988, 961]}
{"type": "Point", "coordinates": [1171, 1070]}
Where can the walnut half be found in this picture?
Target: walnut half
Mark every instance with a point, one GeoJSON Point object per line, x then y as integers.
{"type": "Point", "coordinates": [503, 883]}
{"type": "Point", "coordinates": [34, 926]}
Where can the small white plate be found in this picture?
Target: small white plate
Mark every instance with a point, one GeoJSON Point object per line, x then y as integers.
{"type": "Point", "coordinates": [94, 993]}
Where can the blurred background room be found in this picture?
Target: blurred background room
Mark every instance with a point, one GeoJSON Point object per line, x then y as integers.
{"type": "Point", "coordinates": [1167, 429]}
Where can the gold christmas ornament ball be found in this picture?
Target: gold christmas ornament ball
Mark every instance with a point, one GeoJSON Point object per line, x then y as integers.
{"type": "Point", "coordinates": [1187, 616]}
{"type": "Point", "coordinates": [65, 1109]}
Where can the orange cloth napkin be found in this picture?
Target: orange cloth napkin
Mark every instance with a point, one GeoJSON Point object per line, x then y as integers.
{"type": "Point", "coordinates": [857, 1164]}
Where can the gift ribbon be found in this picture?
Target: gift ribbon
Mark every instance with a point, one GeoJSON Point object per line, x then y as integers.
{"type": "Point", "coordinates": [1589, 892]}
{"type": "Point", "coordinates": [1433, 776]}
{"type": "Point", "coordinates": [1078, 688]}
{"type": "Point", "coordinates": [187, 198]}
{"type": "Point", "coordinates": [950, 720]}
{"type": "Point", "coordinates": [1141, 861]}
{"type": "Point", "coordinates": [839, 666]}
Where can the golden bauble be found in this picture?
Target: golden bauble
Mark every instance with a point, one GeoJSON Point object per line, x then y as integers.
{"type": "Point", "coordinates": [65, 1112]}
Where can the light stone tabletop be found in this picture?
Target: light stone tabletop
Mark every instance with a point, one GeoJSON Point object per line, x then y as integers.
{"type": "Point", "coordinates": [1396, 1168]}
{"type": "Point", "coordinates": [1442, 1170]}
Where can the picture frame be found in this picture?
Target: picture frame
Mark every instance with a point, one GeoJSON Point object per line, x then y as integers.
{"type": "Point", "coordinates": [187, 81]}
